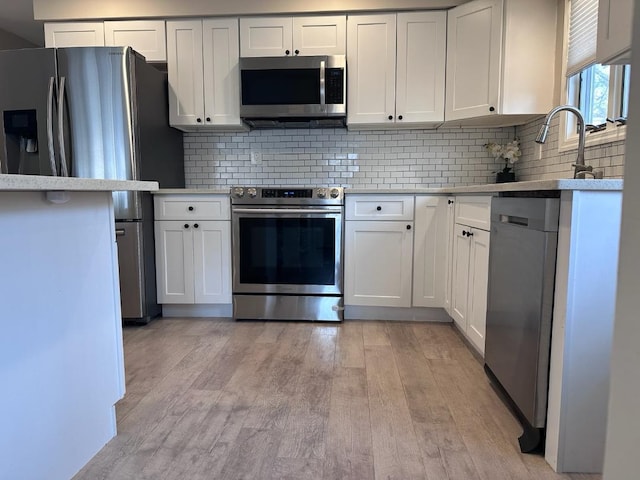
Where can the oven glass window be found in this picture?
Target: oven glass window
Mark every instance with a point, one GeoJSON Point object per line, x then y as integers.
{"type": "Point", "coordinates": [294, 251]}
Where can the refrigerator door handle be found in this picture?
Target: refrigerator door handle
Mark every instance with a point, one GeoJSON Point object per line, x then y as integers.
{"type": "Point", "coordinates": [63, 156]}
{"type": "Point", "coordinates": [52, 157]}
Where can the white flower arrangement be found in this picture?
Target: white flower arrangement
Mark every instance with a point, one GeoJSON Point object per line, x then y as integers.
{"type": "Point", "coordinates": [510, 152]}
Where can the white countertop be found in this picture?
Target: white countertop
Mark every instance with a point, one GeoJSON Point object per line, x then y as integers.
{"type": "Point", "coordinates": [44, 183]}
{"type": "Point", "coordinates": [533, 185]}
{"type": "Point", "coordinates": [193, 191]}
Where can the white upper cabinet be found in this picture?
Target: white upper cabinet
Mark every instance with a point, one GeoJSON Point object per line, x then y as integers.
{"type": "Point", "coordinates": [396, 69]}
{"type": "Point", "coordinates": [146, 37]}
{"type": "Point", "coordinates": [614, 31]}
{"type": "Point", "coordinates": [500, 61]}
{"type": "Point", "coordinates": [204, 78]}
{"type": "Point", "coordinates": [282, 36]}
{"type": "Point", "coordinates": [74, 34]}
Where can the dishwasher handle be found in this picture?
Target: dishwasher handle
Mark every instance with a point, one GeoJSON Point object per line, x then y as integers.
{"type": "Point", "coordinates": [514, 220]}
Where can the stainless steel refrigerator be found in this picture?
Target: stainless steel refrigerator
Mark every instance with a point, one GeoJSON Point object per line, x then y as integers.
{"type": "Point", "coordinates": [95, 112]}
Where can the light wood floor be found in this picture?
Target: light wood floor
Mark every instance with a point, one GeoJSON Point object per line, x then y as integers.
{"type": "Point", "coordinates": [216, 399]}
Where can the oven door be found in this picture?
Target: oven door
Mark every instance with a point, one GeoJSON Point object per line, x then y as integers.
{"type": "Point", "coordinates": [284, 250]}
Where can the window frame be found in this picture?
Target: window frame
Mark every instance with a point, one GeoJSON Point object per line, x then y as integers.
{"type": "Point", "coordinates": [570, 88]}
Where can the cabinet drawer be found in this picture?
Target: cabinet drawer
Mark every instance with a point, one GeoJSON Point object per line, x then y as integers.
{"type": "Point", "coordinates": [474, 211]}
{"type": "Point", "coordinates": [379, 207]}
{"type": "Point", "coordinates": [186, 207]}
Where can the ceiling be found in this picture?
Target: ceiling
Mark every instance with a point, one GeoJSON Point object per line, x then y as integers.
{"type": "Point", "coordinates": [16, 16]}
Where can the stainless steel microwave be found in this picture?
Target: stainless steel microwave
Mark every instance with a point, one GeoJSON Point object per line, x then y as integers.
{"type": "Point", "coordinates": [294, 87]}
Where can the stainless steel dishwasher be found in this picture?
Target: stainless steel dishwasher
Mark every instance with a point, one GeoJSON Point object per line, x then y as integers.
{"type": "Point", "coordinates": [522, 262]}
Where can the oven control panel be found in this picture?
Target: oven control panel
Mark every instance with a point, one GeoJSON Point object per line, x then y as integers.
{"type": "Point", "coordinates": [256, 195]}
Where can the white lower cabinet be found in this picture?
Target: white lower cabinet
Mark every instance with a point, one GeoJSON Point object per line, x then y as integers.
{"type": "Point", "coordinates": [378, 250]}
{"type": "Point", "coordinates": [378, 258]}
{"type": "Point", "coordinates": [193, 261]}
{"type": "Point", "coordinates": [449, 225]}
{"type": "Point", "coordinates": [469, 275]}
{"type": "Point", "coordinates": [430, 251]}
{"type": "Point", "coordinates": [193, 249]}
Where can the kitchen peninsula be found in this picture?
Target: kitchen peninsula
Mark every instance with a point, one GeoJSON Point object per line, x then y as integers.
{"type": "Point", "coordinates": [61, 352]}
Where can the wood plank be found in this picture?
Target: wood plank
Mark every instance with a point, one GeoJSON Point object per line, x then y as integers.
{"type": "Point", "coordinates": [349, 451]}
{"type": "Point", "coordinates": [350, 346]}
{"type": "Point", "coordinates": [395, 446]}
{"type": "Point", "coordinates": [230, 357]}
{"type": "Point", "coordinates": [375, 333]}
{"type": "Point", "coordinates": [304, 432]}
{"type": "Point", "coordinates": [251, 455]}
{"type": "Point", "coordinates": [443, 451]}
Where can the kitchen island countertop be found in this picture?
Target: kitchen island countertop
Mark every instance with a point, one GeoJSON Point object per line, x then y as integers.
{"type": "Point", "coordinates": [17, 183]}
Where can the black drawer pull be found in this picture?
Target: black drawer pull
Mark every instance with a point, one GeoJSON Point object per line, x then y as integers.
{"type": "Point", "coordinates": [378, 208]}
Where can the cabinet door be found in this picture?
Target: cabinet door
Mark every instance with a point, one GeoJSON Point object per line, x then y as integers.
{"type": "Point", "coordinates": [326, 35]}
{"type": "Point", "coordinates": [478, 285]}
{"type": "Point", "coordinates": [460, 278]}
{"type": "Point", "coordinates": [421, 63]}
{"type": "Point", "coordinates": [378, 263]}
{"type": "Point", "coordinates": [266, 36]}
{"type": "Point", "coordinates": [184, 64]}
{"type": "Point", "coordinates": [146, 37]}
{"type": "Point", "coordinates": [221, 52]}
{"type": "Point", "coordinates": [174, 261]}
{"type": "Point", "coordinates": [429, 252]}
{"type": "Point", "coordinates": [614, 31]}
{"type": "Point", "coordinates": [448, 271]}
{"type": "Point", "coordinates": [212, 261]}
{"type": "Point", "coordinates": [371, 56]}
{"type": "Point", "coordinates": [474, 44]}
{"type": "Point", "coordinates": [74, 34]}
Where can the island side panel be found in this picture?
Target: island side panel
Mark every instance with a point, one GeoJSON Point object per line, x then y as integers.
{"type": "Point", "coordinates": [582, 330]}
{"type": "Point", "coordinates": [61, 363]}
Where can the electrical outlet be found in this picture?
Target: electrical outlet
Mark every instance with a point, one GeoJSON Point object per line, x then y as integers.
{"type": "Point", "coordinates": [256, 158]}
{"type": "Point", "coordinates": [537, 153]}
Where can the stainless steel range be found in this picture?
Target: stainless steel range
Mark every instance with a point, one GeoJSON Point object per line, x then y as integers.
{"type": "Point", "coordinates": [287, 253]}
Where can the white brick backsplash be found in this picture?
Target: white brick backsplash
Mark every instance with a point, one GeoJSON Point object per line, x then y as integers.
{"type": "Point", "coordinates": [378, 159]}
{"type": "Point", "coordinates": [608, 157]}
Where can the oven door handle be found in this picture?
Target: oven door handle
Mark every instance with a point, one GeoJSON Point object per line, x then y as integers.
{"type": "Point", "coordinates": [288, 210]}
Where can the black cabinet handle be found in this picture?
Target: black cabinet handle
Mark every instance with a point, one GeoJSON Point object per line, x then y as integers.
{"type": "Point", "coordinates": [186, 225]}
{"type": "Point", "coordinates": [195, 225]}
{"type": "Point", "coordinates": [199, 120]}
{"type": "Point", "coordinates": [378, 208]}
{"type": "Point", "coordinates": [469, 234]}
{"type": "Point", "coordinates": [399, 117]}
{"type": "Point", "coordinates": [287, 52]}
{"type": "Point", "coordinates": [449, 202]}
{"type": "Point", "coordinates": [208, 119]}
{"type": "Point", "coordinates": [408, 227]}
{"type": "Point", "coordinates": [190, 208]}
{"type": "Point", "coordinates": [464, 233]}
{"type": "Point", "coordinates": [492, 109]}
{"type": "Point", "coordinates": [297, 52]}
{"type": "Point", "coordinates": [390, 117]}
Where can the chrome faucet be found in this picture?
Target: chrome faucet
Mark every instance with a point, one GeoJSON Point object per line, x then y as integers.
{"type": "Point", "coordinates": [581, 170]}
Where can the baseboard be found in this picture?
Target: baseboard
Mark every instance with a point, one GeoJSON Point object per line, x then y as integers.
{"type": "Point", "coordinates": [412, 314]}
{"type": "Point", "coordinates": [203, 310]}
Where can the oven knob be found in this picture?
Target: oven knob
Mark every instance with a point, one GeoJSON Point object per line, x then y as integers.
{"type": "Point", "coordinates": [252, 192]}
{"type": "Point", "coordinates": [322, 193]}
{"type": "Point", "coordinates": [238, 192]}
{"type": "Point", "coordinates": [335, 193]}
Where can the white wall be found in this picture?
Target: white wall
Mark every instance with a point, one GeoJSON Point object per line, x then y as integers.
{"type": "Point", "coordinates": [79, 9]}
{"type": "Point", "coordinates": [623, 435]}
{"type": "Point", "coordinates": [9, 41]}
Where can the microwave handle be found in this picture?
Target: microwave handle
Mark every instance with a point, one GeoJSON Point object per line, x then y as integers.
{"type": "Point", "coordinates": [322, 85]}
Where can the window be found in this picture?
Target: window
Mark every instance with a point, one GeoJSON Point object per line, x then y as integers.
{"type": "Point", "coordinates": [601, 92]}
